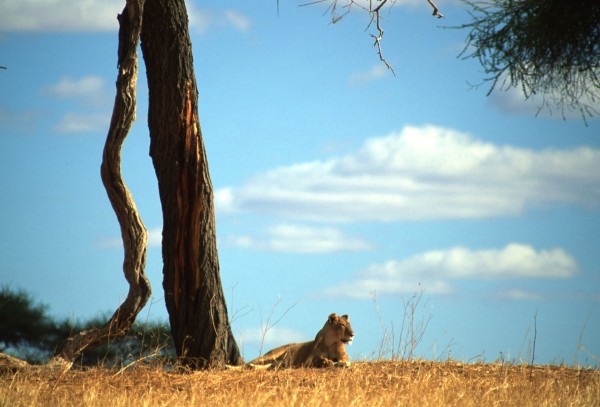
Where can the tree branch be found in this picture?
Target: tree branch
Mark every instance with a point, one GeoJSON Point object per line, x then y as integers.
{"type": "Point", "coordinates": [375, 14]}
{"type": "Point", "coordinates": [133, 231]}
{"type": "Point", "coordinates": [436, 11]}
{"type": "Point", "coordinates": [374, 9]}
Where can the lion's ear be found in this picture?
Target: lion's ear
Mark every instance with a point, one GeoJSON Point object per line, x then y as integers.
{"type": "Point", "coordinates": [345, 318]}
{"type": "Point", "coordinates": [333, 318]}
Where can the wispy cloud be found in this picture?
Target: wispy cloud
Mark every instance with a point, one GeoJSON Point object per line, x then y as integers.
{"type": "Point", "coordinates": [79, 123]}
{"type": "Point", "coordinates": [420, 173]}
{"type": "Point", "coordinates": [275, 336]}
{"type": "Point", "coordinates": [378, 71]}
{"type": "Point", "coordinates": [155, 237]}
{"type": "Point", "coordinates": [293, 238]}
{"type": "Point", "coordinates": [109, 244]}
{"type": "Point", "coordinates": [154, 240]}
{"type": "Point", "coordinates": [89, 93]}
{"type": "Point", "coordinates": [98, 15]}
{"type": "Point", "coordinates": [89, 90]}
{"type": "Point", "coordinates": [435, 271]}
{"type": "Point", "coordinates": [60, 15]}
{"type": "Point", "coordinates": [512, 100]}
{"type": "Point", "coordinates": [16, 120]}
{"type": "Point", "coordinates": [202, 20]}
{"type": "Point", "coordinates": [519, 294]}
{"type": "Point", "coordinates": [238, 20]}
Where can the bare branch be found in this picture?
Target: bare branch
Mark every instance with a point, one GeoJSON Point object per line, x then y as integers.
{"type": "Point", "coordinates": [374, 9]}
{"type": "Point", "coordinates": [436, 11]}
{"type": "Point", "coordinates": [377, 16]}
{"type": "Point", "coordinates": [133, 231]}
{"type": "Point", "coordinates": [267, 326]}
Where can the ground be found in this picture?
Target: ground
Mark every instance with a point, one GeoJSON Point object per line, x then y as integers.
{"type": "Point", "coordinates": [381, 383]}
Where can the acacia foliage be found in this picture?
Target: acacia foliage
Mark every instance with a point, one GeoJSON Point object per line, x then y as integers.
{"type": "Point", "coordinates": [25, 325]}
{"type": "Point", "coordinates": [29, 332]}
{"type": "Point", "coordinates": [547, 47]}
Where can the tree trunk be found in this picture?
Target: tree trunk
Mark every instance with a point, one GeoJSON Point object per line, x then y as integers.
{"type": "Point", "coordinates": [191, 280]}
{"type": "Point", "coordinates": [133, 231]}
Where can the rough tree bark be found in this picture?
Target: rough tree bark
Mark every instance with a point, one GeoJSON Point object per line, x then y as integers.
{"type": "Point", "coordinates": [191, 279]}
{"type": "Point", "coordinates": [133, 231]}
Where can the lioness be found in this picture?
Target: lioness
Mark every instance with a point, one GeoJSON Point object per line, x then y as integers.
{"type": "Point", "coordinates": [326, 350]}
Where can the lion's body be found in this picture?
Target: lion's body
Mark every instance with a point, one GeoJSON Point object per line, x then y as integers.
{"type": "Point", "coordinates": [327, 349]}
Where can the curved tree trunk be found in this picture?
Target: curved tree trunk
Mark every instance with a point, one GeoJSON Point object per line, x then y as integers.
{"type": "Point", "coordinates": [132, 229]}
{"type": "Point", "coordinates": [192, 284]}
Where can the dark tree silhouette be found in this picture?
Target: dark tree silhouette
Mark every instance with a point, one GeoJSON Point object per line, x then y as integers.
{"type": "Point", "coordinates": [25, 325]}
{"type": "Point", "coordinates": [549, 48]}
{"type": "Point", "coordinates": [191, 276]}
{"type": "Point", "coordinates": [191, 280]}
{"type": "Point", "coordinates": [133, 231]}
{"type": "Point", "coordinates": [27, 331]}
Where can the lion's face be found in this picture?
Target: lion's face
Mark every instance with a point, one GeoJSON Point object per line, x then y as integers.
{"type": "Point", "coordinates": [339, 329]}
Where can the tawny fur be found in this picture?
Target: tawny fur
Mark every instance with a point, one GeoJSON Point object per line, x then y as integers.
{"type": "Point", "coordinates": [327, 349]}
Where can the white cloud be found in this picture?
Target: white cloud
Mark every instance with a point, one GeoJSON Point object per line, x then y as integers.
{"type": "Point", "coordinates": [76, 123]}
{"type": "Point", "coordinates": [519, 294]}
{"type": "Point", "coordinates": [366, 288]}
{"type": "Point", "coordinates": [17, 120]}
{"type": "Point", "coordinates": [377, 71]}
{"type": "Point", "coordinates": [90, 90]}
{"type": "Point", "coordinates": [203, 20]}
{"type": "Point", "coordinates": [275, 336]}
{"type": "Point", "coordinates": [292, 238]}
{"type": "Point", "coordinates": [199, 19]}
{"type": "Point", "coordinates": [225, 200]}
{"type": "Point", "coordinates": [420, 173]}
{"type": "Point", "coordinates": [97, 15]}
{"type": "Point", "coordinates": [155, 237]}
{"type": "Point", "coordinates": [434, 271]}
{"type": "Point", "coordinates": [110, 244]}
{"type": "Point", "coordinates": [238, 20]}
{"type": "Point", "coordinates": [154, 240]}
{"type": "Point", "coordinates": [513, 261]}
{"type": "Point", "coordinates": [512, 100]}
{"type": "Point", "coordinates": [60, 15]}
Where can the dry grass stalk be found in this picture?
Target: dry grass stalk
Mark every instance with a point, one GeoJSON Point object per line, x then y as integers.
{"type": "Point", "coordinates": [384, 383]}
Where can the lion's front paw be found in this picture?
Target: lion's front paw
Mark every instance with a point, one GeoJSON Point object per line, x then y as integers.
{"type": "Point", "coordinates": [328, 363]}
{"type": "Point", "coordinates": [323, 362]}
{"type": "Point", "coordinates": [342, 364]}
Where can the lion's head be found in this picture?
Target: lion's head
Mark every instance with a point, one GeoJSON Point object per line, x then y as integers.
{"type": "Point", "coordinates": [337, 329]}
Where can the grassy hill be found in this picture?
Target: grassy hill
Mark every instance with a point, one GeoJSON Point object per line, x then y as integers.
{"type": "Point", "coordinates": [381, 383]}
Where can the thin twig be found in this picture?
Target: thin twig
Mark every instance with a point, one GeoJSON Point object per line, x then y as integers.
{"type": "Point", "coordinates": [378, 37]}
{"type": "Point", "coordinates": [374, 9]}
{"type": "Point", "coordinates": [436, 11]}
{"type": "Point", "coordinates": [267, 326]}
{"type": "Point", "coordinates": [534, 337]}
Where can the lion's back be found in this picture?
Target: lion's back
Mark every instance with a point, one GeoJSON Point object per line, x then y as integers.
{"type": "Point", "coordinates": [275, 354]}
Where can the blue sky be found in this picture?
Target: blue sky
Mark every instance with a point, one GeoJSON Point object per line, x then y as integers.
{"type": "Point", "coordinates": [339, 187]}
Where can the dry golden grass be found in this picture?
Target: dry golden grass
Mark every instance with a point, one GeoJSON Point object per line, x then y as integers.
{"type": "Point", "coordinates": [414, 383]}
